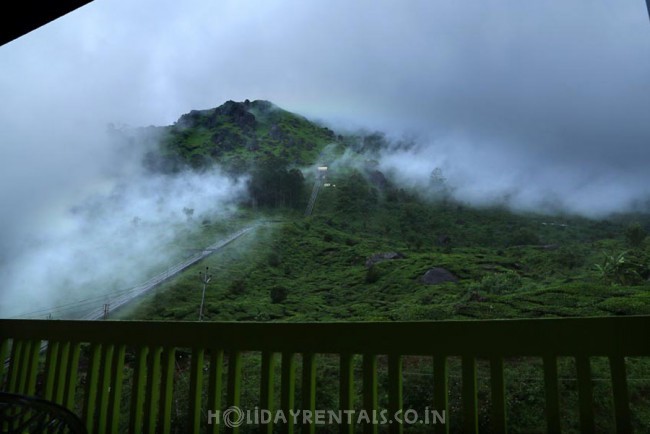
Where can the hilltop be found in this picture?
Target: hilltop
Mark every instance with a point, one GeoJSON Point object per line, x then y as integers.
{"type": "Point", "coordinates": [236, 135]}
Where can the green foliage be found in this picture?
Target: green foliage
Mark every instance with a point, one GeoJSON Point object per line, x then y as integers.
{"type": "Point", "coordinates": [372, 274]}
{"type": "Point", "coordinates": [500, 283]}
{"type": "Point", "coordinates": [524, 237]}
{"type": "Point", "coordinates": [278, 294]}
{"type": "Point", "coordinates": [355, 194]}
{"type": "Point", "coordinates": [635, 235]}
{"type": "Point", "coordinates": [274, 259]}
{"type": "Point", "coordinates": [237, 287]}
{"type": "Point", "coordinates": [624, 268]}
{"type": "Point", "coordinates": [272, 184]}
{"type": "Point", "coordinates": [570, 257]}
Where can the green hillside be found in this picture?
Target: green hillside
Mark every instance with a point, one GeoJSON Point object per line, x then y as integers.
{"type": "Point", "coordinates": [504, 264]}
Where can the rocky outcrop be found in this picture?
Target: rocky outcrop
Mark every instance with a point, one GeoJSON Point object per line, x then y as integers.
{"type": "Point", "coordinates": [234, 112]}
{"type": "Point", "coordinates": [437, 275]}
{"type": "Point", "coordinates": [381, 257]}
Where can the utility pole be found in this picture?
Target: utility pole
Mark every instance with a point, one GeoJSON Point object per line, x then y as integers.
{"type": "Point", "coordinates": [106, 310]}
{"type": "Point", "coordinates": [205, 278]}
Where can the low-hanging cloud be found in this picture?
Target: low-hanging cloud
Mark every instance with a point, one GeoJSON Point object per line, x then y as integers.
{"type": "Point", "coordinates": [556, 94]}
{"type": "Point", "coordinates": [126, 231]}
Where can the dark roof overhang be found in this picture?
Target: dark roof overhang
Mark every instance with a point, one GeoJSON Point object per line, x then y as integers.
{"type": "Point", "coordinates": [20, 17]}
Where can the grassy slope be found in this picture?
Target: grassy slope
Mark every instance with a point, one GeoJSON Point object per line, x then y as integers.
{"type": "Point", "coordinates": [321, 262]}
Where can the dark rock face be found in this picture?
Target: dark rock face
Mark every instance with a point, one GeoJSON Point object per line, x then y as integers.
{"type": "Point", "coordinates": [381, 257]}
{"type": "Point", "coordinates": [192, 119]}
{"type": "Point", "coordinates": [235, 112]}
{"type": "Point", "coordinates": [437, 275]}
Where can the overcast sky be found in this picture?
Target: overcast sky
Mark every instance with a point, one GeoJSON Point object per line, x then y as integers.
{"type": "Point", "coordinates": [540, 101]}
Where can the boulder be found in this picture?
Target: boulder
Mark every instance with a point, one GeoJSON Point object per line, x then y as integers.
{"type": "Point", "coordinates": [437, 275]}
{"type": "Point", "coordinates": [381, 257]}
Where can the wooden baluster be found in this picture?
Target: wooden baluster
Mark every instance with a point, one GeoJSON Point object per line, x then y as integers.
{"type": "Point", "coordinates": [32, 368]}
{"type": "Point", "coordinates": [92, 380]}
{"type": "Point", "coordinates": [14, 367]}
{"type": "Point", "coordinates": [309, 391]}
{"type": "Point", "coordinates": [585, 394]}
{"type": "Point", "coordinates": [138, 389]}
{"type": "Point", "coordinates": [215, 387]}
{"type": "Point", "coordinates": [469, 392]}
{"type": "Point", "coordinates": [395, 402]}
{"type": "Point", "coordinates": [70, 386]}
{"type": "Point", "coordinates": [234, 386]}
{"type": "Point", "coordinates": [4, 350]}
{"type": "Point", "coordinates": [620, 394]}
{"type": "Point", "coordinates": [166, 390]}
{"type": "Point", "coordinates": [152, 391]}
{"type": "Point", "coordinates": [196, 389]}
{"type": "Point", "coordinates": [370, 404]}
{"type": "Point", "coordinates": [288, 390]}
{"type": "Point", "coordinates": [346, 392]}
{"type": "Point", "coordinates": [104, 387]}
{"type": "Point", "coordinates": [115, 388]}
{"type": "Point", "coordinates": [440, 392]}
{"type": "Point", "coordinates": [24, 367]}
{"type": "Point", "coordinates": [267, 384]}
{"type": "Point", "coordinates": [498, 395]}
{"type": "Point", "coordinates": [552, 394]}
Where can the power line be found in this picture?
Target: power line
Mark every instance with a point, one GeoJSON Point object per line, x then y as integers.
{"type": "Point", "coordinates": [122, 297]}
{"type": "Point", "coordinates": [205, 278]}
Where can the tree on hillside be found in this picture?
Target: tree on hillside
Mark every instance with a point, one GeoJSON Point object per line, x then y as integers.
{"type": "Point", "coordinates": [635, 235]}
{"type": "Point", "coordinates": [355, 194]}
{"type": "Point", "coordinates": [438, 185]}
{"type": "Point", "coordinates": [273, 185]}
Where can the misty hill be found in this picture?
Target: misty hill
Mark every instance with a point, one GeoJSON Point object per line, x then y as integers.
{"type": "Point", "coordinates": [502, 263]}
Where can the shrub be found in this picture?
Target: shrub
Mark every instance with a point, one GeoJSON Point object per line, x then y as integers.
{"type": "Point", "coordinates": [523, 237]}
{"type": "Point", "coordinates": [635, 235]}
{"type": "Point", "coordinates": [278, 294]}
{"type": "Point", "coordinates": [274, 259]}
{"type": "Point", "coordinates": [372, 275]}
{"type": "Point", "coordinates": [237, 287]}
{"type": "Point", "coordinates": [499, 283]}
{"type": "Point", "coordinates": [569, 257]}
{"type": "Point", "coordinates": [623, 268]}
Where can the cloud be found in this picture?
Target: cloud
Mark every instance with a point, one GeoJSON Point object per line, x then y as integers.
{"type": "Point", "coordinates": [114, 239]}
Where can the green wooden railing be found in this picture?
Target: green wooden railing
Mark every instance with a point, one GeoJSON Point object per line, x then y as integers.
{"type": "Point", "coordinates": [84, 364]}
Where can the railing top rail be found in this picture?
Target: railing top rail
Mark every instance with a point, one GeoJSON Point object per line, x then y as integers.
{"type": "Point", "coordinates": [606, 336]}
